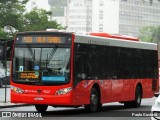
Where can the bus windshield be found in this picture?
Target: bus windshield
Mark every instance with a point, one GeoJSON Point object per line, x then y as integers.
{"type": "Point", "coordinates": [39, 64]}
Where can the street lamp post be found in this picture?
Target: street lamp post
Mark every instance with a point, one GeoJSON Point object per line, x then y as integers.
{"type": "Point", "coordinates": [7, 30]}
{"type": "Point", "coordinates": [5, 43]}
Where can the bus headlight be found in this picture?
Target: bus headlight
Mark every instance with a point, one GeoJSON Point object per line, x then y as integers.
{"type": "Point", "coordinates": [17, 90]}
{"type": "Point", "coordinates": [63, 91]}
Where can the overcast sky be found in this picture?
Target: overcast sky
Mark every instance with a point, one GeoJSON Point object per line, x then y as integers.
{"type": "Point", "coordinates": [39, 3]}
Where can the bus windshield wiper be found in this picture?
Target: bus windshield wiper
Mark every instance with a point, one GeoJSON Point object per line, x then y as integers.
{"type": "Point", "coordinates": [51, 55]}
{"type": "Point", "coordinates": [31, 52]}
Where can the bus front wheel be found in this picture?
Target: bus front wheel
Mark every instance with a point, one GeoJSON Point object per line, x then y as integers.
{"type": "Point", "coordinates": [41, 108]}
{"type": "Point", "coordinates": [94, 101]}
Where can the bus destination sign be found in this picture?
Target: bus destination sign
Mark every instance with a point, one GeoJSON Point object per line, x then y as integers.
{"type": "Point", "coordinates": [42, 39]}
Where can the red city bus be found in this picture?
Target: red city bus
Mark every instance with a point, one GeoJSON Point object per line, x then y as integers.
{"type": "Point", "coordinates": [51, 68]}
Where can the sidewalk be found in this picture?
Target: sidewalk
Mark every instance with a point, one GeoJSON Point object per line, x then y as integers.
{"type": "Point", "coordinates": [9, 105]}
{"type": "Point", "coordinates": [5, 103]}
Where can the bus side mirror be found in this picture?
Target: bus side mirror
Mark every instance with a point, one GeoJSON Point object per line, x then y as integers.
{"type": "Point", "coordinates": [156, 94]}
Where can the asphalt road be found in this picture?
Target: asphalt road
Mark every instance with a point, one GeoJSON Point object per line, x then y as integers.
{"type": "Point", "coordinates": [110, 111]}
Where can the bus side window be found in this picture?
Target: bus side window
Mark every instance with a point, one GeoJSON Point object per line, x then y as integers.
{"type": "Point", "coordinates": [79, 67]}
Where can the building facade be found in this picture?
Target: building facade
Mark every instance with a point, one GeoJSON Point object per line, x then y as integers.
{"type": "Point", "coordinates": [77, 16]}
{"type": "Point", "coordinates": [112, 16]}
{"type": "Point", "coordinates": [135, 14]}
{"type": "Point", "coordinates": [40, 4]}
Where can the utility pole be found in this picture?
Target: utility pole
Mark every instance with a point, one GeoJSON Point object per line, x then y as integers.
{"type": "Point", "coordinates": [8, 30]}
{"type": "Point", "coordinates": [5, 50]}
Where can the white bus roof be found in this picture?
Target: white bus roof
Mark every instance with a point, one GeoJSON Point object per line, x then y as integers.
{"type": "Point", "coordinates": [88, 39]}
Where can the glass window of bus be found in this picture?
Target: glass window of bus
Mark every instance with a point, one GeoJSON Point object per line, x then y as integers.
{"type": "Point", "coordinates": [41, 64]}
{"type": "Point", "coordinates": [55, 64]}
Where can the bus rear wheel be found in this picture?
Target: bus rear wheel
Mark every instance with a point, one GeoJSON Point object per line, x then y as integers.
{"type": "Point", "coordinates": [138, 97]}
{"type": "Point", "coordinates": [94, 101]}
{"type": "Point", "coordinates": [41, 108]}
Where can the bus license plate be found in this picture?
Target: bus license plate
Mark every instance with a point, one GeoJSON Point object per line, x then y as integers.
{"type": "Point", "coordinates": [38, 98]}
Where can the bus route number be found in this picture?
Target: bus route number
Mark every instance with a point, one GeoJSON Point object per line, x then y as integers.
{"type": "Point", "coordinates": [54, 40]}
{"type": "Point", "coordinates": [27, 39]}
{"type": "Point", "coordinates": [48, 40]}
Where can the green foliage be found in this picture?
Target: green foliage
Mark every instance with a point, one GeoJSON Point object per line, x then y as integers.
{"type": "Point", "coordinates": [146, 33]}
{"type": "Point", "coordinates": [150, 34]}
{"type": "Point", "coordinates": [2, 34]}
{"type": "Point", "coordinates": [37, 19]}
{"type": "Point", "coordinates": [156, 35]}
{"type": "Point", "coordinates": [13, 14]}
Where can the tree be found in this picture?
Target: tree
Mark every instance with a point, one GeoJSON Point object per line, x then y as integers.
{"type": "Point", "coordinates": [37, 19]}
{"type": "Point", "coordinates": [156, 35]}
{"type": "Point", "coordinates": [11, 12]}
{"type": "Point", "coordinates": [13, 15]}
{"type": "Point", "coordinates": [150, 34]}
{"type": "Point", "coordinates": [146, 33]}
{"type": "Point", "coordinates": [2, 33]}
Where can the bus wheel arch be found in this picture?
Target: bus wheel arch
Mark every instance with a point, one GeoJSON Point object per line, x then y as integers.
{"type": "Point", "coordinates": [98, 90]}
{"type": "Point", "coordinates": [96, 95]}
{"type": "Point", "coordinates": [140, 85]}
{"type": "Point", "coordinates": [137, 98]}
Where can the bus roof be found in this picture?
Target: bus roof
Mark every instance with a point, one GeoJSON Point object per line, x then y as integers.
{"type": "Point", "coordinates": [118, 36]}
{"type": "Point", "coordinates": [89, 39]}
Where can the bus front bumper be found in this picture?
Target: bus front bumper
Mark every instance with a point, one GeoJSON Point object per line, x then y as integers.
{"type": "Point", "coordinates": [57, 100]}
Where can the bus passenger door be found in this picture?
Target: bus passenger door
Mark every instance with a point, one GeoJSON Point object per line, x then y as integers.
{"type": "Point", "coordinates": [80, 83]}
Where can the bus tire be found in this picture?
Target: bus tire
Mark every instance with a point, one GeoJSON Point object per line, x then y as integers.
{"type": "Point", "coordinates": [41, 108]}
{"type": "Point", "coordinates": [94, 101]}
{"type": "Point", "coordinates": [138, 97]}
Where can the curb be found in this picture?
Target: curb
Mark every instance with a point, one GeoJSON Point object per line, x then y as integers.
{"type": "Point", "coordinates": [10, 106]}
